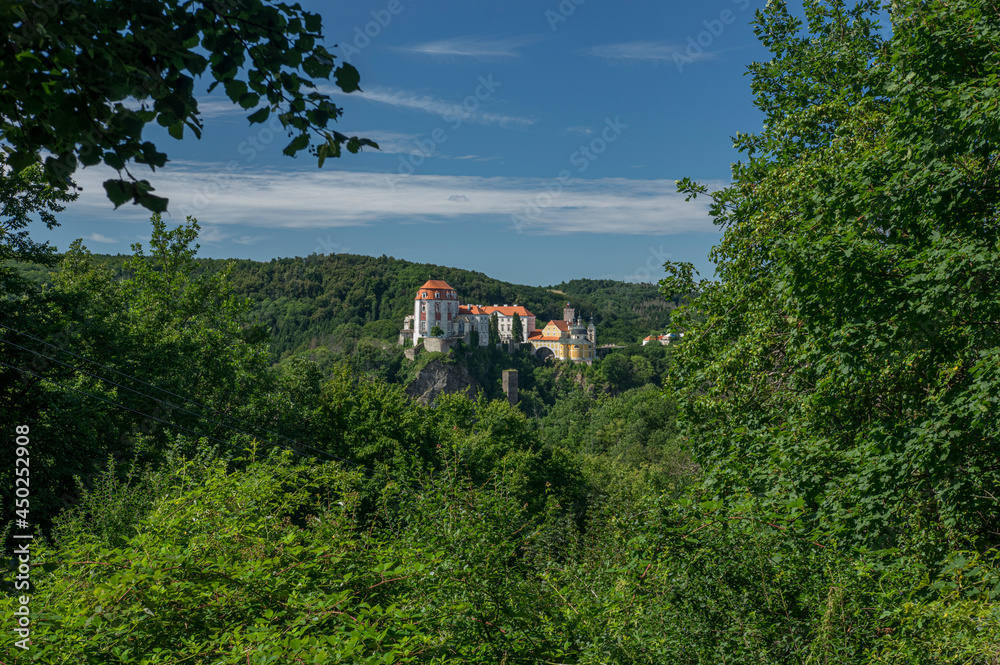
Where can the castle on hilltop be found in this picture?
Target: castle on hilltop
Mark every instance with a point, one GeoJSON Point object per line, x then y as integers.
{"type": "Point", "coordinates": [437, 305]}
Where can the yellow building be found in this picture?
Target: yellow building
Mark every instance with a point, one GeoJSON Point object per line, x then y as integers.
{"type": "Point", "coordinates": [565, 340]}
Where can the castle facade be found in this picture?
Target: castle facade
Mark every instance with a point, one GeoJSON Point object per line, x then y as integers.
{"type": "Point", "coordinates": [437, 305]}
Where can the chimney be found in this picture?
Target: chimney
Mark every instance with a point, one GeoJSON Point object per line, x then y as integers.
{"type": "Point", "coordinates": [510, 385]}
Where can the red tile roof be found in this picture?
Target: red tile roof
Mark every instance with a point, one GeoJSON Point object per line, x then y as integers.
{"type": "Point", "coordinates": [509, 311]}
{"type": "Point", "coordinates": [562, 325]}
{"type": "Point", "coordinates": [437, 284]}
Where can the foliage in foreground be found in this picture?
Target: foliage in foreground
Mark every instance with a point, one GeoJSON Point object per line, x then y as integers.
{"type": "Point", "coordinates": [849, 462]}
{"type": "Point", "coordinates": [268, 561]}
{"type": "Point", "coordinates": [850, 353]}
{"type": "Point", "coordinates": [71, 69]}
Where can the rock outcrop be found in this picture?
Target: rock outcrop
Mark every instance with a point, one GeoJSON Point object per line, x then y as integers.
{"type": "Point", "coordinates": [442, 378]}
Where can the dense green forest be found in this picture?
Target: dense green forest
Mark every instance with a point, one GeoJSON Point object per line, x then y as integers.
{"type": "Point", "coordinates": [340, 298]}
{"type": "Point", "coordinates": [812, 476]}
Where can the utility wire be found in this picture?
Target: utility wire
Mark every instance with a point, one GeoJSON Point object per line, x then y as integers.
{"type": "Point", "coordinates": [164, 390]}
{"type": "Point", "coordinates": [99, 378]}
{"type": "Point", "coordinates": [303, 445]}
{"type": "Point", "coordinates": [121, 406]}
{"type": "Point", "coordinates": [187, 399]}
{"type": "Point", "coordinates": [197, 415]}
{"type": "Point", "coordinates": [165, 422]}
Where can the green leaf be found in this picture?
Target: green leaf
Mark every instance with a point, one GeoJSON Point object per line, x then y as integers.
{"type": "Point", "coordinates": [314, 22]}
{"type": "Point", "coordinates": [235, 89]}
{"type": "Point", "coordinates": [119, 191]}
{"type": "Point", "coordinates": [297, 144]}
{"type": "Point", "coordinates": [157, 204]}
{"type": "Point", "coordinates": [260, 115]}
{"type": "Point", "coordinates": [347, 77]}
{"type": "Point", "coordinates": [249, 100]}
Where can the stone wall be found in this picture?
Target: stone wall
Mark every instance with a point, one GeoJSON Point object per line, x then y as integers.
{"type": "Point", "coordinates": [437, 344]}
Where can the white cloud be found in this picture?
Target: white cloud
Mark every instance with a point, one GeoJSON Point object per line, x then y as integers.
{"type": "Point", "coordinates": [472, 47]}
{"type": "Point", "coordinates": [389, 141]}
{"type": "Point", "coordinates": [647, 52]}
{"type": "Point", "coordinates": [216, 107]}
{"type": "Point", "coordinates": [315, 199]}
{"type": "Point", "coordinates": [97, 237]}
{"type": "Point", "coordinates": [248, 240]}
{"type": "Point", "coordinates": [450, 112]}
{"type": "Point", "coordinates": [392, 142]}
{"type": "Point", "coordinates": [461, 110]}
{"type": "Point", "coordinates": [213, 235]}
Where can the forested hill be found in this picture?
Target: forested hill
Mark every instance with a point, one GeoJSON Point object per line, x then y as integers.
{"type": "Point", "coordinates": [323, 298]}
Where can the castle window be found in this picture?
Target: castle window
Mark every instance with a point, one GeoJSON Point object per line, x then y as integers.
{"type": "Point", "coordinates": [437, 294]}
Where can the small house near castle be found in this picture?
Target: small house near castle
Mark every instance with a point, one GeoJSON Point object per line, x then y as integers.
{"type": "Point", "coordinates": [436, 305]}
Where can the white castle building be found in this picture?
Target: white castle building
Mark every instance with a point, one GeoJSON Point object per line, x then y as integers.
{"type": "Point", "coordinates": [436, 305]}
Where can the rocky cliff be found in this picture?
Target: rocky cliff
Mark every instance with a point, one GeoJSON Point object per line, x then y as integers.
{"type": "Point", "coordinates": [440, 377]}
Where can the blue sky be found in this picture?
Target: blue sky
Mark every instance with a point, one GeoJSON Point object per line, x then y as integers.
{"type": "Point", "coordinates": [532, 140]}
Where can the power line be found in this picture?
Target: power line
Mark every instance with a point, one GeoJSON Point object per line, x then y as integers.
{"type": "Point", "coordinates": [303, 445]}
{"type": "Point", "coordinates": [121, 406]}
{"type": "Point", "coordinates": [187, 399]}
{"type": "Point", "coordinates": [100, 378]}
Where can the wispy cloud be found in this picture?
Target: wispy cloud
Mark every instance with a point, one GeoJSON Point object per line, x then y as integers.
{"type": "Point", "coordinates": [392, 142]}
{"type": "Point", "coordinates": [449, 111]}
{"type": "Point", "coordinates": [645, 51]}
{"type": "Point", "coordinates": [214, 235]}
{"type": "Point", "coordinates": [475, 158]}
{"type": "Point", "coordinates": [389, 141]}
{"type": "Point", "coordinates": [97, 237]}
{"type": "Point", "coordinates": [273, 199]}
{"type": "Point", "coordinates": [248, 240]}
{"type": "Point", "coordinates": [216, 107]}
{"type": "Point", "coordinates": [472, 47]}
{"type": "Point", "coordinates": [219, 107]}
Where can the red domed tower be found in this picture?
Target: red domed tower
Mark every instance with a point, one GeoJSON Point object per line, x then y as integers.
{"type": "Point", "coordinates": [436, 304]}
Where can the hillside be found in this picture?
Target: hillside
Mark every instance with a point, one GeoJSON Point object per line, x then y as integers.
{"type": "Point", "coordinates": [335, 299]}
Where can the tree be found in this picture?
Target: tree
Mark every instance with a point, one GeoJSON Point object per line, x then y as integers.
{"type": "Point", "coordinates": [617, 372]}
{"type": "Point", "coordinates": [516, 331]}
{"type": "Point", "coordinates": [22, 195]}
{"type": "Point", "coordinates": [851, 342]}
{"type": "Point", "coordinates": [81, 81]}
{"type": "Point", "coordinates": [494, 329]}
{"type": "Point", "coordinates": [436, 331]}
{"type": "Point", "coordinates": [121, 364]}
